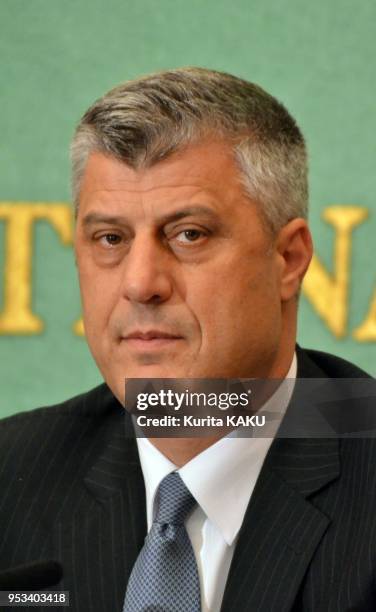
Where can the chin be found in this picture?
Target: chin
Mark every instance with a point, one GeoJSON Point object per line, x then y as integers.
{"type": "Point", "coordinates": [148, 371]}
{"type": "Point", "coordinates": [153, 371]}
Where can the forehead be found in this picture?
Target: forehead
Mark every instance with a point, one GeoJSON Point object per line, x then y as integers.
{"type": "Point", "coordinates": [199, 174]}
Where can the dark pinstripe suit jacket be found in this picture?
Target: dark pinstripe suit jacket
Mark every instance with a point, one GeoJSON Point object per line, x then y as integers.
{"type": "Point", "coordinates": [72, 490]}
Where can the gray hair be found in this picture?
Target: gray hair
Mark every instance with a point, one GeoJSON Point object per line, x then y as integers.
{"type": "Point", "coordinates": [144, 121]}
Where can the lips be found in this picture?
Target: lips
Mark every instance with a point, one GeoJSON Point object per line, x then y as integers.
{"type": "Point", "coordinates": [151, 335]}
{"type": "Point", "coordinates": [150, 341]}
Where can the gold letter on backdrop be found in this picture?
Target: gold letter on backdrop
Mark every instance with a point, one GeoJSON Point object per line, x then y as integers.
{"type": "Point", "coordinates": [17, 317]}
{"type": "Point", "coordinates": [78, 328]}
{"type": "Point", "coordinates": [366, 332]}
{"type": "Point", "coordinates": [329, 293]}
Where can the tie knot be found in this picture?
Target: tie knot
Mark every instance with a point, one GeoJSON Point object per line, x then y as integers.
{"type": "Point", "coordinates": [174, 501]}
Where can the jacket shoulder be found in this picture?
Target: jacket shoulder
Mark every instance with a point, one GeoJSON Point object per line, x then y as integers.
{"type": "Point", "coordinates": [318, 363]}
{"type": "Point", "coordinates": [34, 437]}
{"type": "Point", "coordinates": [90, 404]}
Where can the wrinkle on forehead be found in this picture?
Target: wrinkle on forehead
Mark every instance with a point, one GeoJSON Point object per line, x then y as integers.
{"type": "Point", "coordinates": [203, 163]}
{"type": "Point", "coordinates": [117, 203]}
{"type": "Point", "coordinates": [202, 174]}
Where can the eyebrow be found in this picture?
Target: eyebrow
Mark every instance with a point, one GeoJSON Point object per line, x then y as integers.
{"type": "Point", "coordinates": [94, 217]}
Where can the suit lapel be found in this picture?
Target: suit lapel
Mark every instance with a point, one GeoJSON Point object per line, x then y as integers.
{"type": "Point", "coordinates": [100, 534]}
{"type": "Point", "coordinates": [282, 528]}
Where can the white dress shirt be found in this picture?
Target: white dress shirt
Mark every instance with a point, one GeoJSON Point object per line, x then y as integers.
{"type": "Point", "coordinates": [222, 479]}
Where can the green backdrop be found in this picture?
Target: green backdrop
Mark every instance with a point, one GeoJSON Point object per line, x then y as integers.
{"type": "Point", "coordinates": [57, 57]}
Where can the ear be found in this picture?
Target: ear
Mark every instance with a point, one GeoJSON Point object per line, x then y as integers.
{"type": "Point", "coordinates": [294, 247]}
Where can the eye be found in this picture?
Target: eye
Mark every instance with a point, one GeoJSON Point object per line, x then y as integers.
{"type": "Point", "coordinates": [110, 240]}
{"type": "Point", "coordinates": [190, 235]}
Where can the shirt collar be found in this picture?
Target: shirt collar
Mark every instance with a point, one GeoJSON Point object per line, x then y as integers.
{"type": "Point", "coordinates": [223, 475]}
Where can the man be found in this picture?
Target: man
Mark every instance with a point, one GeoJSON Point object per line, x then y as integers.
{"type": "Point", "coordinates": [190, 189]}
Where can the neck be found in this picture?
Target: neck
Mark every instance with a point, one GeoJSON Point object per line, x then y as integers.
{"type": "Point", "coordinates": [181, 450]}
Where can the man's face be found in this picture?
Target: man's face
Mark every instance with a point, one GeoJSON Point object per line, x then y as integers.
{"type": "Point", "coordinates": [178, 275]}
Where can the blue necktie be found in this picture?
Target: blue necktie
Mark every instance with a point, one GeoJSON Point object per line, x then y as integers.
{"type": "Point", "coordinates": [164, 577]}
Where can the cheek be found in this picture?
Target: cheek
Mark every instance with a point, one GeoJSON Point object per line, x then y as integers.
{"type": "Point", "coordinates": [99, 294]}
{"type": "Point", "coordinates": [236, 300]}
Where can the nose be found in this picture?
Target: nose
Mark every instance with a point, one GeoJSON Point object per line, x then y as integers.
{"type": "Point", "coordinates": [147, 274]}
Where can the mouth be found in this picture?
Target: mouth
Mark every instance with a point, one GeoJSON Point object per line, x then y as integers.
{"type": "Point", "coordinates": [150, 340]}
